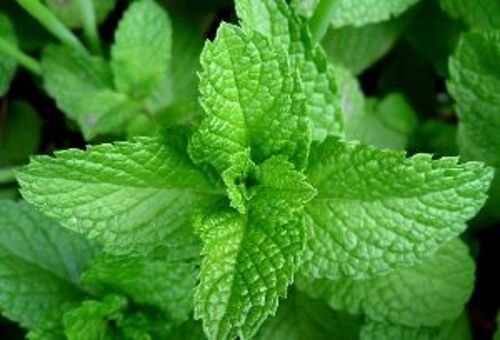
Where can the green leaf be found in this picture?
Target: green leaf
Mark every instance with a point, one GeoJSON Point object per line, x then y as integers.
{"type": "Point", "coordinates": [357, 12]}
{"type": "Point", "coordinates": [478, 14]}
{"type": "Point", "coordinates": [386, 123]}
{"type": "Point", "coordinates": [247, 265]}
{"type": "Point", "coordinates": [91, 320]}
{"type": "Point", "coordinates": [21, 124]}
{"type": "Point", "coordinates": [276, 20]}
{"type": "Point", "coordinates": [248, 92]}
{"type": "Point", "coordinates": [358, 48]}
{"type": "Point", "coordinates": [140, 56]}
{"type": "Point", "coordinates": [475, 80]}
{"type": "Point", "coordinates": [7, 63]}
{"type": "Point", "coordinates": [281, 193]}
{"type": "Point", "coordinates": [167, 284]}
{"type": "Point", "coordinates": [179, 88]}
{"type": "Point", "coordinates": [69, 13]}
{"type": "Point", "coordinates": [40, 265]}
{"type": "Point", "coordinates": [300, 317]}
{"type": "Point", "coordinates": [426, 294]}
{"type": "Point", "coordinates": [82, 87]}
{"type": "Point", "coordinates": [129, 196]}
{"type": "Point", "coordinates": [377, 210]}
{"type": "Point", "coordinates": [457, 329]}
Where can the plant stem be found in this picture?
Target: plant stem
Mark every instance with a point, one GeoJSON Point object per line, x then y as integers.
{"type": "Point", "coordinates": [48, 20]}
{"type": "Point", "coordinates": [7, 175]}
{"type": "Point", "coordinates": [320, 21]}
{"type": "Point", "coordinates": [22, 58]}
{"type": "Point", "coordinates": [87, 14]}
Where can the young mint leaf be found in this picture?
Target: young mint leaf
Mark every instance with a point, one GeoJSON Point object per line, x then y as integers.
{"type": "Point", "coordinates": [281, 193]}
{"type": "Point", "coordinates": [300, 317]}
{"type": "Point", "coordinates": [7, 63]}
{"type": "Point", "coordinates": [140, 56]}
{"type": "Point", "coordinates": [22, 123]}
{"type": "Point", "coordinates": [40, 264]}
{"type": "Point", "coordinates": [478, 14]}
{"type": "Point", "coordinates": [357, 12]}
{"type": "Point", "coordinates": [457, 329]}
{"type": "Point", "coordinates": [82, 87]}
{"type": "Point", "coordinates": [68, 11]}
{"type": "Point", "coordinates": [129, 196]}
{"type": "Point", "coordinates": [247, 265]}
{"type": "Point", "coordinates": [358, 48]}
{"type": "Point", "coordinates": [247, 91]}
{"type": "Point", "coordinates": [276, 20]}
{"type": "Point", "coordinates": [426, 294]}
{"type": "Point", "coordinates": [475, 80]}
{"type": "Point", "coordinates": [377, 210]}
{"type": "Point", "coordinates": [91, 320]}
{"type": "Point", "coordinates": [166, 284]}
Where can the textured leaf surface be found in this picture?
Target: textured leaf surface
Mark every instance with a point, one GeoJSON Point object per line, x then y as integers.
{"type": "Point", "coordinates": [300, 317]}
{"type": "Point", "coordinates": [457, 329]}
{"type": "Point", "coordinates": [377, 210]}
{"type": "Point", "coordinates": [141, 53]}
{"type": "Point", "coordinates": [40, 264]}
{"type": "Point", "coordinates": [481, 14]}
{"type": "Point", "coordinates": [475, 80]}
{"type": "Point", "coordinates": [357, 12]}
{"type": "Point", "coordinates": [167, 284]}
{"type": "Point", "coordinates": [129, 196]}
{"type": "Point", "coordinates": [91, 320]}
{"type": "Point", "coordinates": [248, 92]}
{"type": "Point", "coordinates": [276, 20]}
{"type": "Point", "coordinates": [7, 64]}
{"type": "Point", "coordinates": [247, 265]}
{"type": "Point", "coordinates": [426, 294]}
{"type": "Point", "coordinates": [82, 87]}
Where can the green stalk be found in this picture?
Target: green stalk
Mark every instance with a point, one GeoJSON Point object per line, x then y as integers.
{"type": "Point", "coordinates": [320, 21]}
{"type": "Point", "coordinates": [87, 14]}
{"type": "Point", "coordinates": [22, 58]}
{"type": "Point", "coordinates": [48, 20]}
{"type": "Point", "coordinates": [7, 175]}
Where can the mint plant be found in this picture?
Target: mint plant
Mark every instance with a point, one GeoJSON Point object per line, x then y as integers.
{"type": "Point", "coordinates": [269, 199]}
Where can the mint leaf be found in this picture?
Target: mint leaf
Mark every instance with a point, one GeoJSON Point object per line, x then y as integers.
{"type": "Point", "coordinates": [248, 93]}
{"type": "Point", "coordinates": [22, 123]}
{"type": "Point", "coordinates": [478, 14]}
{"type": "Point", "coordinates": [358, 48]}
{"type": "Point", "coordinates": [69, 12]}
{"type": "Point", "coordinates": [247, 265]}
{"type": "Point", "coordinates": [426, 294]}
{"type": "Point", "coordinates": [457, 329]}
{"type": "Point", "coordinates": [300, 317]}
{"type": "Point", "coordinates": [357, 12]}
{"type": "Point", "coordinates": [475, 79]}
{"type": "Point", "coordinates": [91, 319]}
{"type": "Point", "coordinates": [128, 196]}
{"type": "Point", "coordinates": [377, 210]}
{"type": "Point", "coordinates": [386, 123]}
{"type": "Point", "coordinates": [40, 264]}
{"type": "Point", "coordinates": [282, 192]}
{"type": "Point", "coordinates": [82, 87]}
{"type": "Point", "coordinates": [140, 56]}
{"type": "Point", "coordinates": [163, 283]}
{"type": "Point", "coordinates": [276, 20]}
{"type": "Point", "coordinates": [7, 63]}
